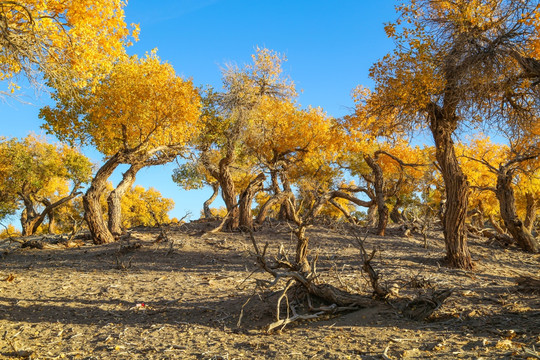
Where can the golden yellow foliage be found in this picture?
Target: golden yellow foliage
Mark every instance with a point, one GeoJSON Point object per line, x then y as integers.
{"type": "Point", "coordinates": [77, 39]}
{"type": "Point", "coordinates": [140, 107]}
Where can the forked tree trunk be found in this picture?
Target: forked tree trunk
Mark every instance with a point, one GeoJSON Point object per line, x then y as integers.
{"type": "Point", "coordinates": [507, 202]}
{"type": "Point", "coordinates": [206, 205]}
{"type": "Point", "coordinates": [378, 184]}
{"type": "Point", "coordinates": [276, 199]}
{"type": "Point", "coordinates": [115, 198]}
{"type": "Point", "coordinates": [92, 206]}
{"type": "Point", "coordinates": [457, 189]}
{"type": "Point", "coordinates": [246, 199]}
{"type": "Point", "coordinates": [31, 219]}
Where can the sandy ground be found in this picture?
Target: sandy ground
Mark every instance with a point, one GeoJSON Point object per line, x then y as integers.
{"type": "Point", "coordinates": [181, 299]}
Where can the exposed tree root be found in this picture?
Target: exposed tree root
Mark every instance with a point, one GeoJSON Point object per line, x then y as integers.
{"type": "Point", "coordinates": [334, 300]}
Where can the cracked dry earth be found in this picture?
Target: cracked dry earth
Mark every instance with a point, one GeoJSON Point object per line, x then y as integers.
{"type": "Point", "coordinates": [181, 299]}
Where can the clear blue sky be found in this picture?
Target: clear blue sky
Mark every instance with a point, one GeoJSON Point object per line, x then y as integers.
{"type": "Point", "coordinates": [330, 46]}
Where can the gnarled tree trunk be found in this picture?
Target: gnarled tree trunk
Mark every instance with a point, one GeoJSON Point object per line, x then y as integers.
{"type": "Point", "coordinates": [507, 202]}
{"type": "Point", "coordinates": [92, 207]}
{"type": "Point", "coordinates": [530, 215]}
{"type": "Point", "coordinates": [286, 212]}
{"type": "Point", "coordinates": [31, 219]}
{"type": "Point", "coordinates": [378, 184]}
{"type": "Point", "coordinates": [442, 126]}
{"type": "Point", "coordinates": [206, 206]}
{"type": "Point", "coordinates": [246, 199]}
{"type": "Point", "coordinates": [115, 198]}
{"type": "Point", "coordinates": [395, 215]}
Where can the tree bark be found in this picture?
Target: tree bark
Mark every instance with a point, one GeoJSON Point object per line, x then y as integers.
{"type": "Point", "coordinates": [378, 184]}
{"type": "Point", "coordinates": [371, 215]}
{"type": "Point", "coordinates": [277, 199]}
{"type": "Point", "coordinates": [91, 202]}
{"type": "Point", "coordinates": [115, 197]}
{"type": "Point", "coordinates": [31, 219]}
{"type": "Point", "coordinates": [507, 202]}
{"type": "Point", "coordinates": [395, 214]}
{"type": "Point", "coordinates": [443, 123]}
{"type": "Point", "coordinates": [496, 224]}
{"type": "Point", "coordinates": [228, 192]}
{"type": "Point", "coordinates": [206, 205]}
{"type": "Point", "coordinates": [246, 199]}
{"type": "Point", "coordinates": [286, 212]}
{"type": "Point", "coordinates": [530, 215]}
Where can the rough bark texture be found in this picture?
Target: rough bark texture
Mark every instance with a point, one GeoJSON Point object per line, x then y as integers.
{"type": "Point", "coordinates": [206, 206]}
{"type": "Point", "coordinates": [371, 215]}
{"type": "Point", "coordinates": [395, 215]}
{"type": "Point", "coordinates": [246, 198]}
{"type": "Point", "coordinates": [92, 208]}
{"type": "Point", "coordinates": [507, 202]}
{"type": "Point", "coordinates": [496, 225]}
{"type": "Point", "coordinates": [286, 212]}
{"type": "Point", "coordinates": [530, 215]}
{"type": "Point", "coordinates": [115, 197]}
{"type": "Point", "coordinates": [228, 192]}
{"type": "Point", "coordinates": [442, 125]}
{"type": "Point", "coordinates": [378, 184]}
{"type": "Point", "coordinates": [302, 249]}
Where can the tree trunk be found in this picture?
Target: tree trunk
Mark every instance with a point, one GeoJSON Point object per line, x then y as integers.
{"type": "Point", "coordinates": [371, 215]}
{"type": "Point", "coordinates": [302, 243]}
{"type": "Point", "coordinates": [31, 219]}
{"type": "Point", "coordinates": [507, 203]}
{"type": "Point", "coordinates": [286, 212]}
{"type": "Point", "coordinates": [378, 184]}
{"type": "Point", "coordinates": [530, 215]}
{"type": "Point", "coordinates": [395, 214]}
{"type": "Point", "coordinates": [206, 206]}
{"type": "Point", "coordinates": [496, 224]}
{"type": "Point", "coordinates": [228, 192]}
{"type": "Point", "coordinates": [115, 198]}
{"type": "Point", "coordinates": [457, 188]}
{"type": "Point", "coordinates": [246, 199]}
{"type": "Point", "coordinates": [92, 206]}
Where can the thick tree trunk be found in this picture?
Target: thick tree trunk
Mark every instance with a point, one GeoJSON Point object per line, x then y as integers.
{"type": "Point", "coordinates": [91, 201]}
{"type": "Point", "coordinates": [206, 206]}
{"type": "Point", "coordinates": [302, 244]}
{"type": "Point", "coordinates": [115, 198]}
{"type": "Point", "coordinates": [246, 199]}
{"type": "Point", "coordinates": [228, 192]}
{"type": "Point", "coordinates": [286, 212]}
{"type": "Point", "coordinates": [457, 189]}
{"type": "Point", "coordinates": [395, 214]}
{"type": "Point", "coordinates": [28, 222]}
{"type": "Point", "coordinates": [378, 184]}
{"type": "Point", "coordinates": [507, 202]}
{"type": "Point", "coordinates": [530, 215]}
{"type": "Point", "coordinates": [372, 210]}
